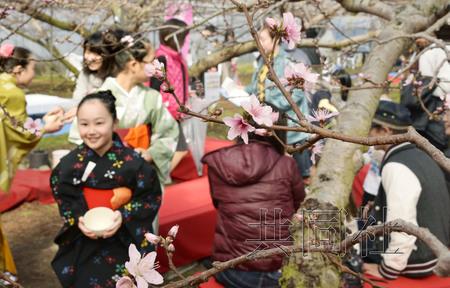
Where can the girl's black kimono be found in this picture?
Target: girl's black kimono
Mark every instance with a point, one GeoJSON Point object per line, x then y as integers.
{"type": "Point", "coordinates": [81, 261]}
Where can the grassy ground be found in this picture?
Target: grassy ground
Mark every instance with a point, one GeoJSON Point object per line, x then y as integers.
{"type": "Point", "coordinates": [54, 143]}
{"type": "Point", "coordinates": [52, 85]}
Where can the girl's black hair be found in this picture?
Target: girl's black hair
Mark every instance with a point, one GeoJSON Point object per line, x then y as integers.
{"type": "Point", "coordinates": [19, 57]}
{"type": "Point", "coordinates": [172, 41]}
{"type": "Point", "coordinates": [100, 43]}
{"type": "Point", "coordinates": [124, 51]}
{"type": "Point", "coordinates": [106, 97]}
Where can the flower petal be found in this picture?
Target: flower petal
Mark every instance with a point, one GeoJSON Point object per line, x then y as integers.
{"type": "Point", "coordinates": [244, 137]}
{"type": "Point", "coordinates": [232, 121]}
{"type": "Point", "coordinates": [28, 123]}
{"type": "Point", "coordinates": [124, 282]}
{"type": "Point", "coordinates": [232, 133]}
{"type": "Point", "coordinates": [152, 238]}
{"type": "Point", "coordinates": [141, 283]}
{"type": "Point", "coordinates": [148, 262]}
{"type": "Point", "coordinates": [261, 132]}
{"type": "Point", "coordinates": [153, 277]}
{"type": "Point", "coordinates": [135, 257]}
{"type": "Point", "coordinates": [173, 231]}
{"type": "Point", "coordinates": [275, 116]}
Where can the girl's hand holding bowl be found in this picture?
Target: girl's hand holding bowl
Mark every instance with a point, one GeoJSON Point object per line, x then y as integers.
{"type": "Point", "coordinates": [100, 222]}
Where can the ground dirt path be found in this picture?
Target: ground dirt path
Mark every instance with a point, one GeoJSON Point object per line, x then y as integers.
{"type": "Point", "coordinates": [30, 229]}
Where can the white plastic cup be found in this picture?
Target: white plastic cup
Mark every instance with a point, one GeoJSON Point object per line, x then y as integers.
{"type": "Point", "coordinates": [57, 155]}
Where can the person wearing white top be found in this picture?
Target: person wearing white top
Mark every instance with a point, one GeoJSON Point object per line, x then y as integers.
{"type": "Point", "coordinates": [97, 65]}
{"type": "Point", "coordinates": [412, 189]}
{"type": "Point", "coordinates": [433, 63]}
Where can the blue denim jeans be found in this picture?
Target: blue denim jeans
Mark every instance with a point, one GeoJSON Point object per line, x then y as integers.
{"type": "Point", "coordinates": [232, 278]}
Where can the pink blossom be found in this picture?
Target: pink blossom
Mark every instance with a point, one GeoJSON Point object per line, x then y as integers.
{"type": "Point", "coordinates": [143, 269]}
{"type": "Point", "coordinates": [316, 150]}
{"type": "Point", "coordinates": [299, 76]}
{"type": "Point", "coordinates": [447, 101]}
{"type": "Point", "coordinates": [173, 231]}
{"type": "Point", "coordinates": [321, 115]}
{"type": "Point", "coordinates": [275, 116]}
{"type": "Point", "coordinates": [165, 87]}
{"type": "Point", "coordinates": [261, 132]}
{"type": "Point", "coordinates": [238, 127]}
{"type": "Point", "coordinates": [289, 30]}
{"type": "Point", "coordinates": [125, 282]}
{"type": "Point", "coordinates": [155, 69]}
{"type": "Point", "coordinates": [272, 23]}
{"type": "Point", "coordinates": [298, 217]}
{"type": "Point", "coordinates": [33, 126]}
{"type": "Point", "coordinates": [152, 238]}
{"type": "Point", "coordinates": [6, 50]}
{"type": "Point", "coordinates": [264, 132]}
{"type": "Point", "coordinates": [292, 30]}
{"type": "Point", "coordinates": [260, 113]}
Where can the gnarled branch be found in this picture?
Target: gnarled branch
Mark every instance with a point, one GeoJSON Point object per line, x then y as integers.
{"type": "Point", "coordinates": [373, 7]}
{"type": "Point", "coordinates": [440, 251]}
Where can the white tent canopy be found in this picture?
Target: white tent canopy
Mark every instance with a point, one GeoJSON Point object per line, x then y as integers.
{"type": "Point", "coordinates": [38, 104]}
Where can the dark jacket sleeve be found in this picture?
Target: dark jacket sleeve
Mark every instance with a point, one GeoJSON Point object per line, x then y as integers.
{"type": "Point", "coordinates": [140, 212]}
{"type": "Point", "coordinates": [71, 203]}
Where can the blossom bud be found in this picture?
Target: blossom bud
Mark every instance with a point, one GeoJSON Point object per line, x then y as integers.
{"type": "Point", "coordinates": [299, 217]}
{"type": "Point", "coordinates": [152, 238]}
{"type": "Point", "coordinates": [165, 87]}
{"type": "Point", "coordinates": [173, 231]}
{"type": "Point", "coordinates": [171, 248]}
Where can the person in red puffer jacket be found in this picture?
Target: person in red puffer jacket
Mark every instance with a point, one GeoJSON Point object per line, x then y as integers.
{"type": "Point", "coordinates": [256, 189]}
{"type": "Point", "coordinates": [169, 53]}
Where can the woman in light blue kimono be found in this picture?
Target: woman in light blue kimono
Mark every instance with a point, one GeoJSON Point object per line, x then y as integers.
{"type": "Point", "coordinates": [267, 91]}
{"type": "Point", "coordinates": [137, 104]}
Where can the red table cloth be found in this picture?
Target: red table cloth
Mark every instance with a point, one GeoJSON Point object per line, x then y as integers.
{"type": "Point", "coordinates": [189, 205]}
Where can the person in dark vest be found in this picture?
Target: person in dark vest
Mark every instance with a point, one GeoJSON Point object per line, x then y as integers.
{"type": "Point", "coordinates": [256, 190]}
{"type": "Point", "coordinates": [446, 119]}
{"type": "Point", "coordinates": [413, 189]}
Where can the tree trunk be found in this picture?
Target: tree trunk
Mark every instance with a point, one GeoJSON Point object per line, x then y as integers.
{"type": "Point", "coordinates": [332, 184]}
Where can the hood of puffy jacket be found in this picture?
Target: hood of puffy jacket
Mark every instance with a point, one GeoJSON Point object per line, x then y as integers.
{"type": "Point", "coordinates": [242, 164]}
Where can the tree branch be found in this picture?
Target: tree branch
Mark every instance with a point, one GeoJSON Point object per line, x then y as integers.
{"type": "Point", "coordinates": [64, 25]}
{"type": "Point", "coordinates": [227, 53]}
{"type": "Point", "coordinates": [373, 7]}
{"type": "Point", "coordinates": [50, 47]}
{"type": "Point", "coordinates": [440, 250]}
{"type": "Point", "coordinates": [68, 26]}
{"type": "Point", "coordinates": [410, 136]}
{"type": "Point", "coordinates": [223, 55]}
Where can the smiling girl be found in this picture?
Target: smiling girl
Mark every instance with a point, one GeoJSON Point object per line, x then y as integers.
{"type": "Point", "coordinates": [102, 172]}
{"type": "Point", "coordinates": [137, 104]}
